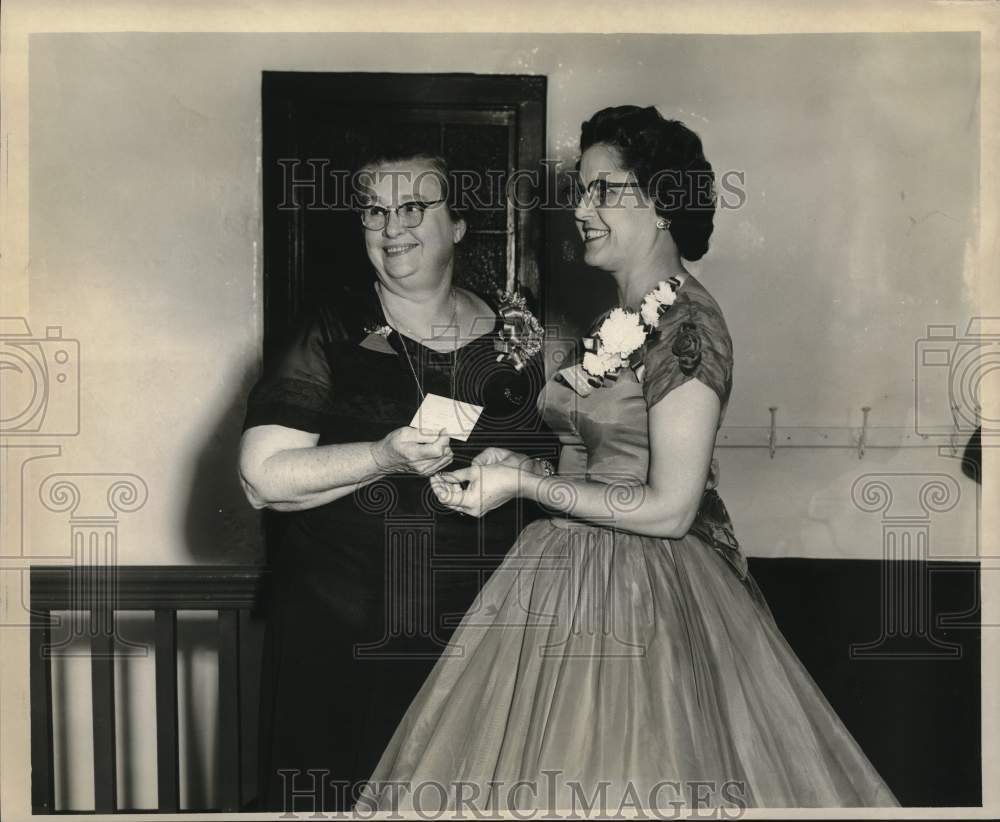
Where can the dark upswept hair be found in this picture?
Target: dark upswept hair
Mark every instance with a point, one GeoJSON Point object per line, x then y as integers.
{"type": "Point", "coordinates": [668, 161]}
{"type": "Point", "coordinates": [438, 164]}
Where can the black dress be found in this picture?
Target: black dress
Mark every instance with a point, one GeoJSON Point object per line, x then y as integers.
{"type": "Point", "coordinates": [365, 591]}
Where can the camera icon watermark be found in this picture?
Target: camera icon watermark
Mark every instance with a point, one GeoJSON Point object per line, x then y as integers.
{"type": "Point", "coordinates": [39, 381]}
{"type": "Point", "coordinates": [949, 371]}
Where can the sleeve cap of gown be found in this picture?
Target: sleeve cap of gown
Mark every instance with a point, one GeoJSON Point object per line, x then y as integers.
{"type": "Point", "coordinates": [691, 342]}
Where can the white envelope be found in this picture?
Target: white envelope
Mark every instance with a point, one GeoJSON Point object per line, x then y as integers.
{"type": "Point", "coordinates": [455, 417]}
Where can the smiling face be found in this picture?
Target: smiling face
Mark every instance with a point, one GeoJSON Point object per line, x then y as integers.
{"type": "Point", "coordinates": [421, 256]}
{"type": "Point", "coordinates": [621, 231]}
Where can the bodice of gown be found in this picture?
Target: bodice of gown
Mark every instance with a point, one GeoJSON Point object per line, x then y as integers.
{"type": "Point", "coordinates": [609, 427]}
{"type": "Point", "coordinates": [605, 434]}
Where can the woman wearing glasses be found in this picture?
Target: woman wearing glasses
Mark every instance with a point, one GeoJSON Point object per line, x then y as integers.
{"type": "Point", "coordinates": [368, 566]}
{"type": "Point", "coordinates": [630, 659]}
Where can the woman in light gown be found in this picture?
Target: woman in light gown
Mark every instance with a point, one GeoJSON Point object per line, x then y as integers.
{"type": "Point", "coordinates": [622, 655]}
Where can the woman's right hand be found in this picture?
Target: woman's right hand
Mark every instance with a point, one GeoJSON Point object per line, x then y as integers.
{"type": "Point", "coordinates": [409, 451]}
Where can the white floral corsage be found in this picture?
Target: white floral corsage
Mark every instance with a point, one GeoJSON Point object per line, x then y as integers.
{"type": "Point", "coordinates": [521, 334]}
{"type": "Point", "coordinates": [624, 332]}
{"type": "Point", "coordinates": [379, 330]}
{"type": "Point", "coordinates": [658, 300]}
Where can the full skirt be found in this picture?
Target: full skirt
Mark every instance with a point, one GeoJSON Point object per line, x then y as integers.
{"type": "Point", "coordinates": [599, 670]}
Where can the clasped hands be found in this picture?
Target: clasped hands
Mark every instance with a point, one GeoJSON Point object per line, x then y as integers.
{"type": "Point", "coordinates": [494, 477]}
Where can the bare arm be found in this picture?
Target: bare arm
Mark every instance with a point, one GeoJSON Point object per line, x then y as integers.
{"type": "Point", "coordinates": [682, 428]}
{"type": "Point", "coordinates": [285, 470]}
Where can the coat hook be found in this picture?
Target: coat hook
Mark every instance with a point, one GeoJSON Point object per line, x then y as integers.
{"type": "Point", "coordinates": [864, 431]}
{"type": "Point", "coordinates": [773, 438]}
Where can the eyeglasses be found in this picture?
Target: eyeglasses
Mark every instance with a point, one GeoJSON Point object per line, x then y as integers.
{"type": "Point", "coordinates": [410, 215]}
{"type": "Point", "coordinates": [596, 192]}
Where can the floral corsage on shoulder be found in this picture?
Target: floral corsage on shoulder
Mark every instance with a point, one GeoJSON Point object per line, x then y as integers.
{"type": "Point", "coordinates": [521, 334]}
{"type": "Point", "coordinates": [619, 340]}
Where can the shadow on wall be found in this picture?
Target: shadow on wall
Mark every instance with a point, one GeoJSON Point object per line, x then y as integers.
{"type": "Point", "coordinates": [220, 526]}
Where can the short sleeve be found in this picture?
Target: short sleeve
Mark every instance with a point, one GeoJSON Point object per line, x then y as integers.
{"type": "Point", "coordinates": [692, 342]}
{"type": "Point", "coordinates": [296, 389]}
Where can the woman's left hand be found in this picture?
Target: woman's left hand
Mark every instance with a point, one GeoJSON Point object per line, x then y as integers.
{"type": "Point", "coordinates": [488, 487]}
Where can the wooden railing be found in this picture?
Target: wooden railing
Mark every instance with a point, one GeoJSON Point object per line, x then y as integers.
{"type": "Point", "coordinates": [102, 592]}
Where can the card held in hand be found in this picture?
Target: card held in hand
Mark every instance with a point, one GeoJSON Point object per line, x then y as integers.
{"type": "Point", "coordinates": [455, 417]}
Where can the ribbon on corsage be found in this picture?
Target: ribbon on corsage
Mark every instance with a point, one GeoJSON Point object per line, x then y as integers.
{"type": "Point", "coordinates": [377, 339]}
{"type": "Point", "coordinates": [520, 336]}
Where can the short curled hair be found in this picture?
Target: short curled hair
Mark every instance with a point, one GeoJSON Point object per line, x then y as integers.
{"type": "Point", "coordinates": [668, 161]}
{"type": "Point", "coordinates": [438, 166]}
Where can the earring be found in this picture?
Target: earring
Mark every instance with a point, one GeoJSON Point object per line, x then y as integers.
{"type": "Point", "coordinates": [663, 223]}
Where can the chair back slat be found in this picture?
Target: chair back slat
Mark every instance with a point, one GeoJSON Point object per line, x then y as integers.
{"type": "Point", "coordinates": [42, 770]}
{"type": "Point", "coordinates": [167, 730]}
{"type": "Point", "coordinates": [230, 744]}
{"type": "Point", "coordinates": [102, 683]}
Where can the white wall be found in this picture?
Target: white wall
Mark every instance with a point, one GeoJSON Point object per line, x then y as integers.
{"type": "Point", "coordinates": [861, 162]}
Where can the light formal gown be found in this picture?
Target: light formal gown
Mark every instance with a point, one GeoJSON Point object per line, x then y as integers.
{"type": "Point", "coordinates": [598, 665]}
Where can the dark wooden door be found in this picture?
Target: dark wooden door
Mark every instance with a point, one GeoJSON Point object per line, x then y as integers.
{"type": "Point", "coordinates": [317, 127]}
